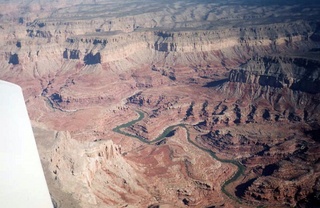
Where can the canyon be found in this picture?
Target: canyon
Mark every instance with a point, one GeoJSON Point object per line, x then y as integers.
{"type": "Point", "coordinates": [170, 104]}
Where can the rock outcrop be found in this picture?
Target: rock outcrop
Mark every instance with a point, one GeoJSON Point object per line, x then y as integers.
{"type": "Point", "coordinates": [95, 173]}
{"type": "Point", "coordinates": [285, 83]}
{"type": "Point", "coordinates": [58, 38]}
{"type": "Point", "coordinates": [294, 73]}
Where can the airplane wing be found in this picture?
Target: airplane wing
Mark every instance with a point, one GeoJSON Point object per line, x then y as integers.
{"type": "Point", "coordinates": [22, 181]}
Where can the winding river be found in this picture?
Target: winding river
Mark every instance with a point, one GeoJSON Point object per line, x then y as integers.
{"type": "Point", "coordinates": [167, 131]}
